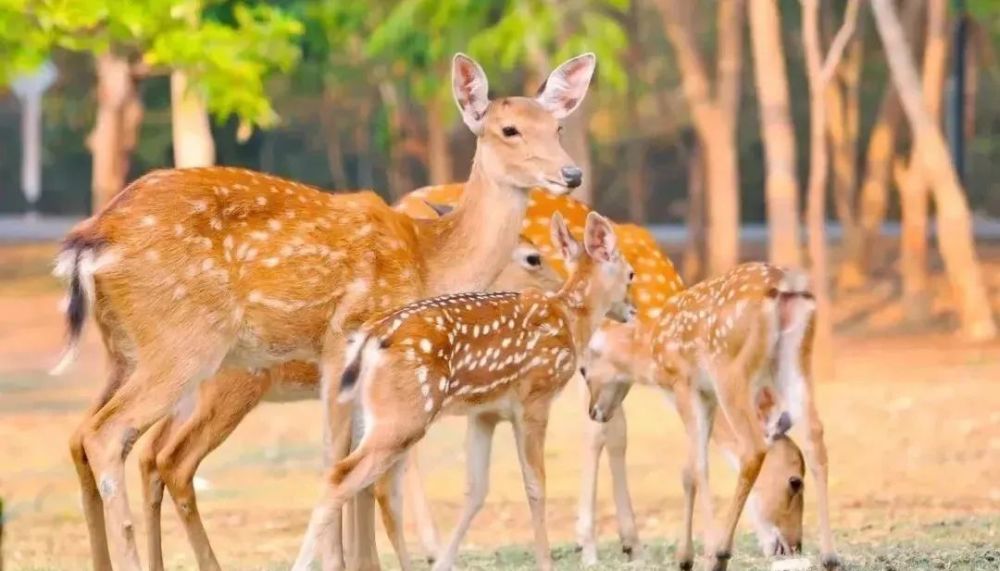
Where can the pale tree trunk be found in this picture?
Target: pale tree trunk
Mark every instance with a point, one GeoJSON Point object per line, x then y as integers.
{"type": "Point", "coordinates": [575, 140]}
{"type": "Point", "coordinates": [191, 130]}
{"type": "Point", "coordinates": [913, 191]}
{"type": "Point", "coordinates": [330, 112]}
{"type": "Point", "coordinates": [713, 125]}
{"type": "Point", "coordinates": [864, 249]}
{"type": "Point", "coordinates": [635, 147]}
{"type": "Point", "coordinates": [782, 185]}
{"type": "Point", "coordinates": [119, 114]}
{"type": "Point", "coordinates": [820, 71]}
{"type": "Point", "coordinates": [694, 247]}
{"type": "Point", "coordinates": [955, 237]}
{"type": "Point", "coordinates": [438, 152]}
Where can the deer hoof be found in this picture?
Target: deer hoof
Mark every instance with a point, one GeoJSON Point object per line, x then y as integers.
{"type": "Point", "coordinates": [830, 561]}
{"type": "Point", "coordinates": [721, 561]}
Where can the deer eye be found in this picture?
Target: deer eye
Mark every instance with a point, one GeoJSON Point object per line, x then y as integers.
{"type": "Point", "coordinates": [510, 132]}
{"type": "Point", "coordinates": [534, 260]}
{"type": "Point", "coordinates": [631, 276]}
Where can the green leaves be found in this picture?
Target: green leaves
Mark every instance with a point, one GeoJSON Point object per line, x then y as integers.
{"type": "Point", "coordinates": [228, 62]}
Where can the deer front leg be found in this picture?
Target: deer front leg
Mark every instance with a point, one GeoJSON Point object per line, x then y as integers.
{"type": "Point", "coordinates": [616, 440]}
{"type": "Point", "coordinates": [152, 489]}
{"type": "Point", "coordinates": [478, 444]}
{"type": "Point", "coordinates": [816, 460]}
{"type": "Point", "coordinates": [752, 447]}
{"type": "Point", "coordinates": [529, 434]}
{"type": "Point", "coordinates": [390, 501]}
{"type": "Point", "coordinates": [416, 497]}
{"type": "Point", "coordinates": [593, 444]}
{"type": "Point", "coordinates": [697, 411]}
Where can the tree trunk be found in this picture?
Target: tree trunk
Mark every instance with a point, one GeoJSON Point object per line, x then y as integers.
{"type": "Point", "coordinates": [399, 182]}
{"type": "Point", "coordinates": [913, 192]}
{"type": "Point", "coordinates": [635, 147]}
{"type": "Point", "coordinates": [730, 18]}
{"type": "Point", "coordinates": [119, 113]}
{"type": "Point", "coordinates": [715, 133]}
{"type": "Point", "coordinates": [694, 247]}
{"type": "Point", "coordinates": [819, 71]}
{"type": "Point", "coordinates": [331, 137]}
{"type": "Point", "coordinates": [192, 132]}
{"type": "Point", "coordinates": [955, 237]}
{"type": "Point", "coordinates": [782, 186]}
{"type": "Point", "coordinates": [438, 152]}
{"type": "Point", "coordinates": [862, 249]}
{"type": "Point", "coordinates": [363, 145]}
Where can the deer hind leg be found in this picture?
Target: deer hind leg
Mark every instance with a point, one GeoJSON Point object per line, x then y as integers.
{"type": "Point", "coordinates": [593, 445]}
{"type": "Point", "coordinates": [223, 402]}
{"type": "Point", "coordinates": [147, 396]}
{"type": "Point", "coordinates": [697, 412]}
{"type": "Point", "coordinates": [93, 508]}
{"type": "Point", "coordinates": [529, 434]}
{"type": "Point", "coordinates": [737, 405]}
{"type": "Point", "coordinates": [816, 460]}
{"type": "Point", "coordinates": [152, 489]}
{"type": "Point", "coordinates": [416, 497]}
{"type": "Point", "coordinates": [478, 445]}
{"type": "Point", "coordinates": [390, 501]}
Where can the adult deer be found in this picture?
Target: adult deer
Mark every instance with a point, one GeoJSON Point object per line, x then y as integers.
{"type": "Point", "coordinates": [191, 271]}
{"type": "Point", "coordinates": [175, 447]}
{"type": "Point", "coordinates": [488, 356]}
{"type": "Point", "coordinates": [742, 342]}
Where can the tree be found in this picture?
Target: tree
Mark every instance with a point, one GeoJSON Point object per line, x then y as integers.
{"type": "Point", "coordinates": [819, 71]}
{"type": "Point", "coordinates": [225, 59]}
{"type": "Point", "coordinates": [955, 237]}
{"type": "Point", "coordinates": [913, 182]}
{"type": "Point", "coordinates": [713, 118]}
{"type": "Point", "coordinates": [782, 186]}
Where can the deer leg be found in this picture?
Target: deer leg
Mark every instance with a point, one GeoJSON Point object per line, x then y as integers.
{"type": "Point", "coordinates": [223, 402]}
{"type": "Point", "coordinates": [593, 444]}
{"type": "Point", "coordinates": [146, 397]}
{"type": "Point", "coordinates": [697, 411]}
{"type": "Point", "coordinates": [357, 471]}
{"type": "Point", "coordinates": [529, 434]}
{"type": "Point", "coordinates": [416, 498]}
{"type": "Point", "coordinates": [93, 509]}
{"type": "Point", "coordinates": [816, 460]}
{"type": "Point", "coordinates": [478, 444]}
{"type": "Point", "coordinates": [390, 501]}
{"type": "Point", "coordinates": [152, 489]}
{"type": "Point", "coordinates": [752, 446]}
{"type": "Point", "coordinates": [616, 440]}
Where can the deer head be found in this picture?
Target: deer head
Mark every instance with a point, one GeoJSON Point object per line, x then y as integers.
{"type": "Point", "coordinates": [518, 137]}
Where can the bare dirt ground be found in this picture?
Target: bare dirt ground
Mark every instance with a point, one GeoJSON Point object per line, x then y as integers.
{"type": "Point", "coordinates": [913, 427]}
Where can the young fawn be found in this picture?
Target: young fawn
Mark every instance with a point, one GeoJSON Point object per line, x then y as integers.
{"type": "Point", "coordinates": [174, 448]}
{"type": "Point", "coordinates": [193, 271]}
{"type": "Point", "coordinates": [776, 501]}
{"type": "Point", "coordinates": [742, 342]}
{"type": "Point", "coordinates": [489, 356]}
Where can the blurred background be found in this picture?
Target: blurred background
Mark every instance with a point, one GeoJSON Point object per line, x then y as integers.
{"type": "Point", "coordinates": [856, 138]}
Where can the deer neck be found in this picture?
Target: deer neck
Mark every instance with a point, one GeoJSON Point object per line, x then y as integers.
{"type": "Point", "coordinates": [585, 317]}
{"type": "Point", "coordinates": [467, 249]}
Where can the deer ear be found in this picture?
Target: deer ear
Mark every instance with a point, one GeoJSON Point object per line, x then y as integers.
{"type": "Point", "coordinates": [566, 87]}
{"type": "Point", "coordinates": [568, 247]}
{"type": "Point", "coordinates": [599, 238]}
{"type": "Point", "coordinates": [471, 90]}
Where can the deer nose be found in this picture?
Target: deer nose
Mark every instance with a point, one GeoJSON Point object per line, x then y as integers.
{"type": "Point", "coordinates": [572, 176]}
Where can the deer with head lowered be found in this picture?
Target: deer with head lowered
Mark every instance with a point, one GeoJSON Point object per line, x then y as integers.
{"type": "Point", "coordinates": [488, 356]}
{"type": "Point", "coordinates": [775, 505]}
{"type": "Point", "coordinates": [741, 342]}
{"type": "Point", "coordinates": [192, 271]}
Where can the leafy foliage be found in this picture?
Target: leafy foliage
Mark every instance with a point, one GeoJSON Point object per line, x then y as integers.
{"type": "Point", "coordinates": [227, 61]}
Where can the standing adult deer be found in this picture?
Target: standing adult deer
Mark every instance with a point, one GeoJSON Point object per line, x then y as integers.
{"type": "Point", "coordinates": [191, 271]}
{"type": "Point", "coordinates": [174, 447]}
{"type": "Point", "coordinates": [488, 356]}
{"type": "Point", "coordinates": [742, 342]}
{"type": "Point", "coordinates": [776, 501]}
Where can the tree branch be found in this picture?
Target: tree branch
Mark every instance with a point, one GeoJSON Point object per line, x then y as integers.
{"type": "Point", "coordinates": [840, 41]}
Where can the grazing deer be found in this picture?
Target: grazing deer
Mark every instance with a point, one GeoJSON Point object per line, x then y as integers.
{"type": "Point", "coordinates": [776, 501]}
{"type": "Point", "coordinates": [174, 448]}
{"type": "Point", "coordinates": [195, 270]}
{"type": "Point", "coordinates": [743, 342]}
{"type": "Point", "coordinates": [489, 356]}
